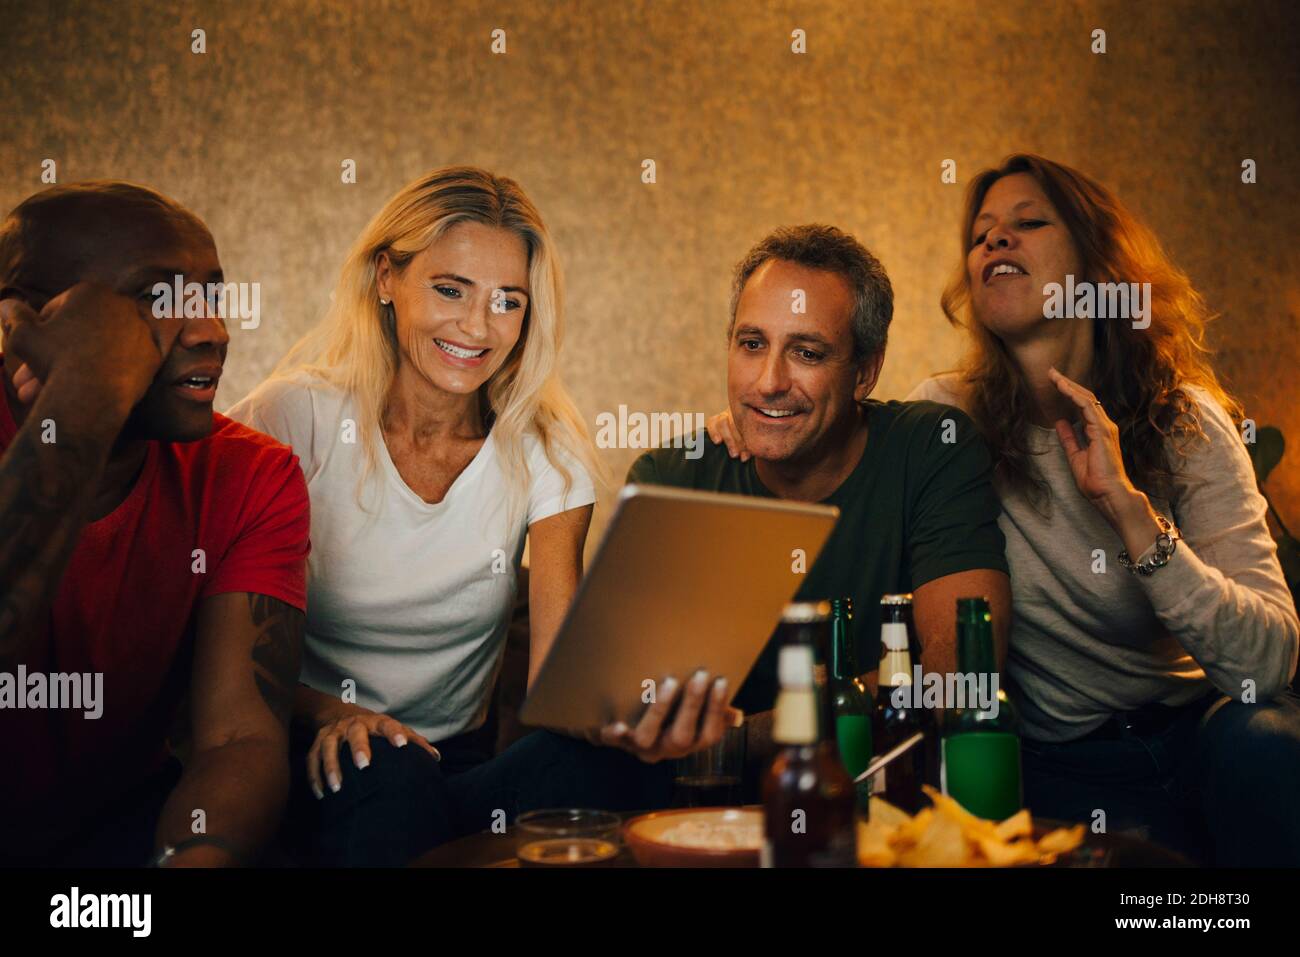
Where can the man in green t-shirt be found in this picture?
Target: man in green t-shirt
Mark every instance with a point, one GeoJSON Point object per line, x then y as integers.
{"type": "Point", "coordinates": [810, 312]}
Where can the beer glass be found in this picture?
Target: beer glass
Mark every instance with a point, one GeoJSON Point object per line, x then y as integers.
{"type": "Point", "coordinates": [567, 837]}
{"type": "Point", "coordinates": [712, 777]}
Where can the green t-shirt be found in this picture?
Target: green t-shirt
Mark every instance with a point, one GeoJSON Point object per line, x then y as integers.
{"type": "Point", "coordinates": [919, 505]}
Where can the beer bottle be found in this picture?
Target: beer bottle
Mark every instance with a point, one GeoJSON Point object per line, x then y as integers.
{"type": "Point", "coordinates": [981, 740]}
{"type": "Point", "coordinates": [850, 703]}
{"type": "Point", "coordinates": [808, 805]}
{"type": "Point", "coordinates": [899, 713]}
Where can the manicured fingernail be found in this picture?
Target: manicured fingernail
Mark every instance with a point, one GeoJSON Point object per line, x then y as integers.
{"type": "Point", "coordinates": [720, 687]}
{"type": "Point", "coordinates": [437, 754]}
{"type": "Point", "coordinates": [362, 761]}
{"type": "Point", "coordinates": [619, 728]}
{"type": "Point", "coordinates": [315, 789]}
{"type": "Point", "coordinates": [400, 740]}
{"type": "Point", "coordinates": [334, 782]}
{"type": "Point", "coordinates": [668, 686]}
{"type": "Point", "coordinates": [700, 679]}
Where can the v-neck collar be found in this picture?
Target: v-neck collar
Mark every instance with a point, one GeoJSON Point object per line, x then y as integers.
{"type": "Point", "coordinates": [486, 451]}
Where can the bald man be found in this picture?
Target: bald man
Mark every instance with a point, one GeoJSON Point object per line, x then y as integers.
{"type": "Point", "coordinates": [153, 555]}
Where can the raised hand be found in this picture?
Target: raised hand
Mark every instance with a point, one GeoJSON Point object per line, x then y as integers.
{"type": "Point", "coordinates": [1099, 469]}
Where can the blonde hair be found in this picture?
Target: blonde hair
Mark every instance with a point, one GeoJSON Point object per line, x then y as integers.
{"type": "Point", "coordinates": [355, 348]}
{"type": "Point", "coordinates": [1142, 377]}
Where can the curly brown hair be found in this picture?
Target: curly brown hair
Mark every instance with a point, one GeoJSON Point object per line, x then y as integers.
{"type": "Point", "coordinates": [1141, 376]}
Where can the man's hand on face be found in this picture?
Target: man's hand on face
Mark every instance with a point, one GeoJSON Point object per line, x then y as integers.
{"type": "Point", "coordinates": [26, 385]}
{"type": "Point", "coordinates": [109, 344]}
{"type": "Point", "coordinates": [653, 739]}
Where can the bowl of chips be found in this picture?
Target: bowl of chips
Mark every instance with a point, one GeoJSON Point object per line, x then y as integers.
{"type": "Point", "coordinates": [947, 835]}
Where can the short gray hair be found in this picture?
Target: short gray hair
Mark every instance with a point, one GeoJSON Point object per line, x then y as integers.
{"type": "Point", "coordinates": [817, 246]}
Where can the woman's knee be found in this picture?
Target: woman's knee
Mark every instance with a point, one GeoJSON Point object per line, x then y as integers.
{"type": "Point", "coordinates": [1266, 735]}
{"type": "Point", "coordinates": [384, 814]}
{"type": "Point", "coordinates": [1250, 780]}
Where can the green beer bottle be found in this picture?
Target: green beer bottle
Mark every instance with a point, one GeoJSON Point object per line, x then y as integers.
{"type": "Point", "coordinates": [851, 705]}
{"type": "Point", "coordinates": [981, 745]}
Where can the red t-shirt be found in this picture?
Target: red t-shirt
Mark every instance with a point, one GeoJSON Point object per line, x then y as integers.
{"type": "Point", "coordinates": [126, 607]}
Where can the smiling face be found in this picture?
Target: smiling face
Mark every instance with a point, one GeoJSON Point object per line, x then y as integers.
{"type": "Point", "coordinates": [130, 248]}
{"type": "Point", "coordinates": [1018, 244]}
{"type": "Point", "coordinates": [792, 381]}
{"type": "Point", "coordinates": [459, 304]}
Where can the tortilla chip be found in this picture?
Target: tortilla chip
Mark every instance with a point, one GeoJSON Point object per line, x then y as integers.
{"type": "Point", "coordinates": [943, 844]}
{"type": "Point", "coordinates": [1000, 854]}
{"type": "Point", "coordinates": [1062, 840]}
{"type": "Point", "coordinates": [1020, 824]}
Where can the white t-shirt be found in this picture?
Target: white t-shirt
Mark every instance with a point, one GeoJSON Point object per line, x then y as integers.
{"type": "Point", "coordinates": [409, 600]}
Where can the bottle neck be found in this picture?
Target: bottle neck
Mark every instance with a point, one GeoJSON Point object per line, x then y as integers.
{"type": "Point", "coordinates": [795, 720]}
{"type": "Point", "coordinates": [975, 647]}
{"type": "Point", "coordinates": [895, 655]}
{"type": "Point", "coordinates": [976, 657]}
{"type": "Point", "coordinates": [843, 665]}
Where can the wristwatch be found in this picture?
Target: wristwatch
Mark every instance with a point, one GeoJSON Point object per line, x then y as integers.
{"type": "Point", "coordinates": [1158, 555]}
{"type": "Point", "coordinates": [169, 851]}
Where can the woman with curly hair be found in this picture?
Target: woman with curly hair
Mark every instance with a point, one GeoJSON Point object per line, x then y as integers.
{"type": "Point", "coordinates": [1153, 637]}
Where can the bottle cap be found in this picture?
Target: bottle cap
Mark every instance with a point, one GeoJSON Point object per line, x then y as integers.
{"type": "Point", "coordinates": [804, 612]}
{"type": "Point", "coordinates": [972, 609]}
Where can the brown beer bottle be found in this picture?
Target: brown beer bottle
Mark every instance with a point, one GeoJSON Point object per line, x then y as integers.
{"type": "Point", "coordinates": [808, 797]}
{"type": "Point", "coordinates": [899, 713]}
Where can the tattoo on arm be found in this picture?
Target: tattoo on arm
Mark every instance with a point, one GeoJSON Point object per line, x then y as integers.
{"type": "Point", "coordinates": [45, 494]}
{"type": "Point", "coordinates": [277, 652]}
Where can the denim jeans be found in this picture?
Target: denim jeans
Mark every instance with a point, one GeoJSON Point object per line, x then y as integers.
{"type": "Point", "coordinates": [406, 802]}
{"type": "Point", "coordinates": [1220, 783]}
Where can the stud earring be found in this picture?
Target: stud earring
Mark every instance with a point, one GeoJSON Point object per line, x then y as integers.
{"type": "Point", "coordinates": [383, 301]}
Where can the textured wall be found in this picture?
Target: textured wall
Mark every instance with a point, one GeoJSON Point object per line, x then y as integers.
{"type": "Point", "coordinates": [746, 135]}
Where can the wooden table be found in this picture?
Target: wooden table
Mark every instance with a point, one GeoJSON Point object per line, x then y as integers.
{"type": "Point", "coordinates": [486, 849]}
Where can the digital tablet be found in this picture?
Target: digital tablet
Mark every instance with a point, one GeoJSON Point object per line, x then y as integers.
{"type": "Point", "coordinates": [682, 580]}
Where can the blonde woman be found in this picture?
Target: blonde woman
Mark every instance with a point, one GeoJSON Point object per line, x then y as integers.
{"type": "Point", "coordinates": [435, 437]}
